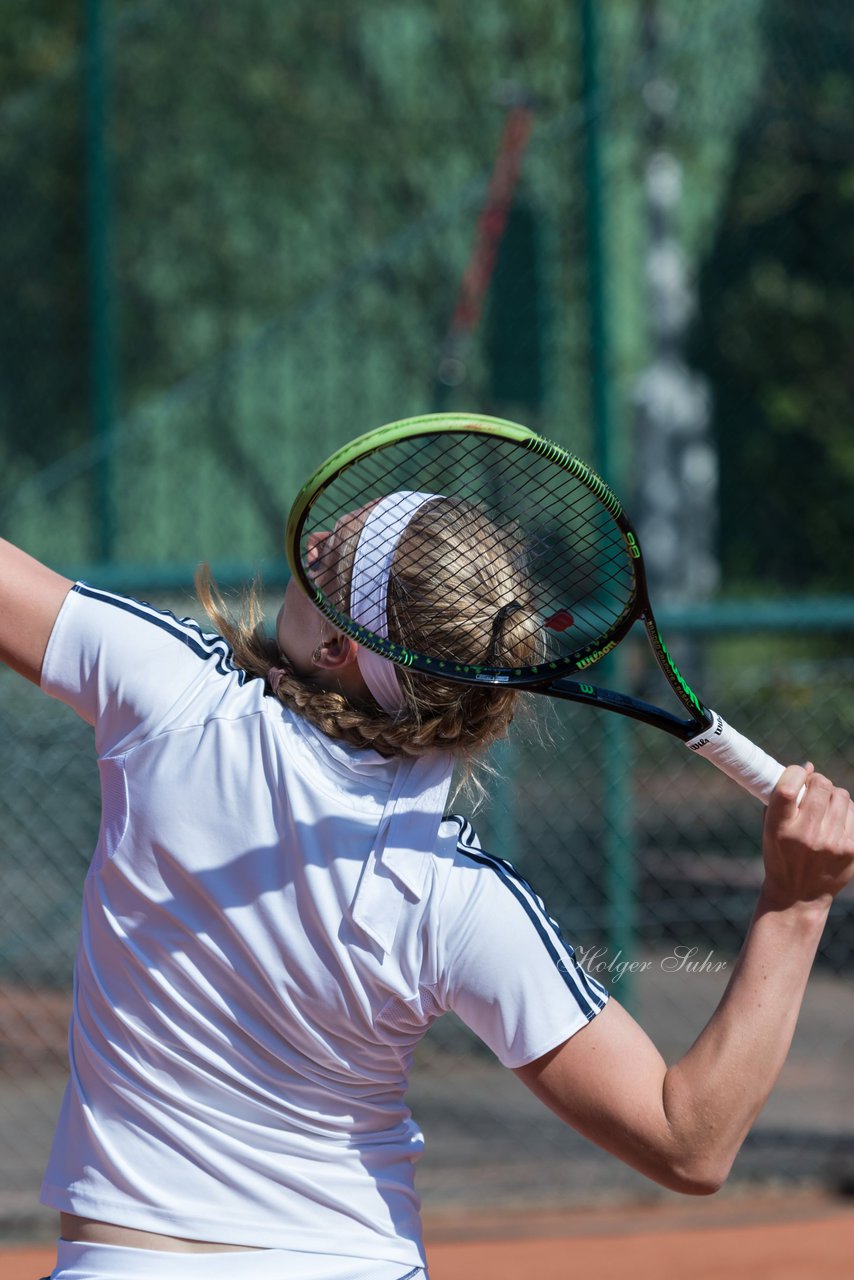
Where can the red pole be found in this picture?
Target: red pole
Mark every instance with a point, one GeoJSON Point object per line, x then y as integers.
{"type": "Point", "coordinates": [489, 233]}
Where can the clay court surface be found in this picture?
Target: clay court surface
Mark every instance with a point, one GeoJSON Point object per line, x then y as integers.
{"type": "Point", "coordinates": [765, 1237]}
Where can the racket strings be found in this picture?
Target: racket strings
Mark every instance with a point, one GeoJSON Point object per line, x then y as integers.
{"type": "Point", "coordinates": [582, 544]}
{"type": "Point", "coordinates": [509, 527]}
{"type": "Point", "coordinates": [455, 579]}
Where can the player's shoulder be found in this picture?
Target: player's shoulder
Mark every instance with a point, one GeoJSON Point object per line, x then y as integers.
{"type": "Point", "coordinates": [457, 836]}
{"type": "Point", "coordinates": [134, 670]}
{"type": "Point", "coordinates": [468, 852]}
{"type": "Point", "coordinates": [148, 621]}
{"type": "Point", "coordinates": [463, 858]}
{"type": "Point", "coordinates": [477, 872]}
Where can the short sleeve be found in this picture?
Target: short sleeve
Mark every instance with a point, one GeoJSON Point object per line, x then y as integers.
{"type": "Point", "coordinates": [128, 668]}
{"type": "Point", "coordinates": [506, 971]}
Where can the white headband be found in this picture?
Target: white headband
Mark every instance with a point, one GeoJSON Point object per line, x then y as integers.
{"type": "Point", "coordinates": [387, 521]}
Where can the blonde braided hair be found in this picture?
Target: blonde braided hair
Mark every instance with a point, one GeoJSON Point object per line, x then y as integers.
{"type": "Point", "coordinates": [481, 612]}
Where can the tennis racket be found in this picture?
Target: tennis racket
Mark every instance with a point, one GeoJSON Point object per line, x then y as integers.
{"type": "Point", "coordinates": [581, 559]}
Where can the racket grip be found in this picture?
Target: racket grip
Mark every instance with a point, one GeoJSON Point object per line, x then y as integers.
{"type": "Point", "coordinates": [738, 757]}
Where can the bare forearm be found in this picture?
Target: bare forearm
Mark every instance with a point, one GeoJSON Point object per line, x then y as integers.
{"type": "Point", "coordinates": [683, 1125]}
{"type": "Point", "coordinates": [713, 1094]}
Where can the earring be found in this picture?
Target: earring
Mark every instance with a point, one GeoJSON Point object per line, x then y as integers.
{"type": "Point", "coordinates": [315, 657]}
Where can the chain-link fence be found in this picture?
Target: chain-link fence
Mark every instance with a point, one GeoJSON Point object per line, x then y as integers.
{"type": "Point", "coordinates": [694, 868]}
{"type": "Point", "coordinates": [234, 236]}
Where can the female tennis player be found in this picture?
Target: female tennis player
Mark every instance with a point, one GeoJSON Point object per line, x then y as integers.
{"type": "Point", "coordinates": [277, 910]}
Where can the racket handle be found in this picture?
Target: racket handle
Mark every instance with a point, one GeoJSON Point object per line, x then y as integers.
{"type": "Point", "coordinates": [738, 757]}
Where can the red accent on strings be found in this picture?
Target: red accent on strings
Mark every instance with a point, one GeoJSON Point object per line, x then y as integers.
{"type": "Point", "coordinates": [560, 621]}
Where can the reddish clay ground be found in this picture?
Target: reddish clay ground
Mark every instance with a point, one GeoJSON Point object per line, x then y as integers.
{"type": "Point", "coordinates": [788, 1238]}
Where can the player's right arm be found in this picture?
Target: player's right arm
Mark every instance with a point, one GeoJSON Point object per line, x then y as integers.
{"type": "Point", "coordinates": [683, 1125]}
{"type": "Point", "coordinates": [31, 596]}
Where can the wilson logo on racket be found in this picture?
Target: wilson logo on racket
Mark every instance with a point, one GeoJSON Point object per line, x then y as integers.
{"type": "Point", "coordinates": [594, 657]}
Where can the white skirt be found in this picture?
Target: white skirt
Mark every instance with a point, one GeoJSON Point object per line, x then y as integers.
{"type": "Point", "coordinates": [78, 1261]}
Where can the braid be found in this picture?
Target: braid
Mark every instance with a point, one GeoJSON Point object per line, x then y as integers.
{"type": "Point", "coordinates": [459, 730]}
{"type": "Point", "coordinates": [488, 610]}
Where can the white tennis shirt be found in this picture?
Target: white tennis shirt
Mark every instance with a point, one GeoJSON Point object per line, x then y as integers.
{"type": "Point", "coordinates": [239, 1048]}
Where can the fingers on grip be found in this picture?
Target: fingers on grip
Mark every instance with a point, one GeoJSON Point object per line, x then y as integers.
{"type": "Point", "coordinates": [793, 785]}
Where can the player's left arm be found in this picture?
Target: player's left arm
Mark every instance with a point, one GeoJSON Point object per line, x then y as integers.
{"type": "Point", "coordinates": [683, 1126]}
{"type": "Point", "coordinates": [31, 596]}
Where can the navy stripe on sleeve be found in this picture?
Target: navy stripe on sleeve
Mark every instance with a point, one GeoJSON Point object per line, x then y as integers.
{"type": "Point", "coordinates": [589, 995]}
{"type": "Point", "coordinates": [208, 647]}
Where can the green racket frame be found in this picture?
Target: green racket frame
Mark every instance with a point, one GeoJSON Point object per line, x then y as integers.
{"type": "Point", "coordinates": [550, 676]}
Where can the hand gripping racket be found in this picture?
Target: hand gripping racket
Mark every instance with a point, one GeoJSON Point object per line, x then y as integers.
{"type": "Point", "coordinates": [583, 566]}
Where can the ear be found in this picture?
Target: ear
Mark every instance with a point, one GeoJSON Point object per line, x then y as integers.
{"type": "Point", "coordinates": [336, 653]}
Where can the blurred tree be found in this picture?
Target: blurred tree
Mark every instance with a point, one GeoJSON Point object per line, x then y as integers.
{"type": "Point", "coordinates": [777, 313]}
{"type": "Point", "coordinates": [43, 364]}
{"type": "Point", "coordinates": [260, 150]}
{"type": "Point", "coordinates": [38, 39]}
